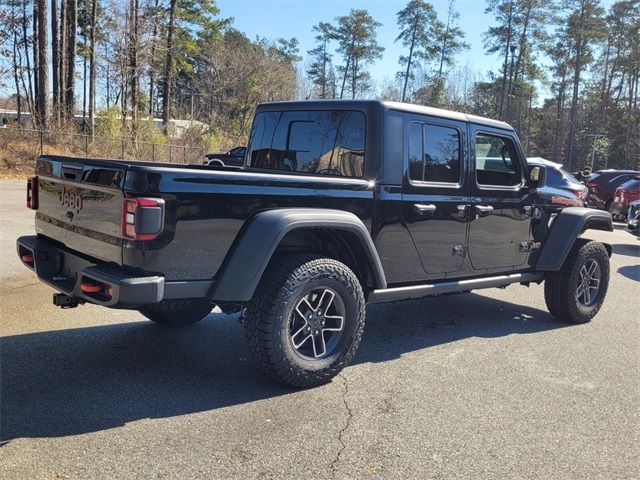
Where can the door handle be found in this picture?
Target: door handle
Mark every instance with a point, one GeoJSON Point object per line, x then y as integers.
{"type": "Point", "coordinates": [483, 209]}
{"type": "Point", "coordinates": [424, 208]}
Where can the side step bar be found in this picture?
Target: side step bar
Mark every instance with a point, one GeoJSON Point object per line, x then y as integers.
{"type": "Point", "coordinates": [420, 291]}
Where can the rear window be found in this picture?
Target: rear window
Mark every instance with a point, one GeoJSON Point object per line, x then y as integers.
{"type": "Point", "coordinates": [634, 183]}
{"type": "Point", "coordinates": [592, 177]}
{"type": "Point", "coordinates": [316, 142]}
{"type": "Point", "coordinates": [555, 178]}
{"type": "Point", "coordinates": [569, 177]}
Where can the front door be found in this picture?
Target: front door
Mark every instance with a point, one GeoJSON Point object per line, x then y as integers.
{"type": "Point", "coordinates": [435, 197]}
{"type": "Point", "coordinates": [500, 220]}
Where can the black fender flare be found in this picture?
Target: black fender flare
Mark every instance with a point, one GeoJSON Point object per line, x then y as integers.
{"type": "Point", "coordinates": [258, 239]}
{"type": "Point", "coordinates": [566, 228]}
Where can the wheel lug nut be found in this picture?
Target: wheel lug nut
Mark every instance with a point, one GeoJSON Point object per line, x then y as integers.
{"type": "Point", "coordinates": [317, 332]}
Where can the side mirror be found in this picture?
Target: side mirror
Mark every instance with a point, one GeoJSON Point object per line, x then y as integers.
{"type": "Point", "coordinates": [537, 177]}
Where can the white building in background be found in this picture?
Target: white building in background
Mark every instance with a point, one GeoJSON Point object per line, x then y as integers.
{"type": "Point", "coordinates": [175, 130]}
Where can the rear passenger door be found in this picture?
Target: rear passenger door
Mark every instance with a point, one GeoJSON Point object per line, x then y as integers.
{"type": "Point", "coordinates": [499, 227]}
{"type": "Point", "coordinates": [435, 196]}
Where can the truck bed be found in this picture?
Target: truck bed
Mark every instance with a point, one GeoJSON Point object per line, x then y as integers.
{"type": "Point", "coordinates": [205, 208]}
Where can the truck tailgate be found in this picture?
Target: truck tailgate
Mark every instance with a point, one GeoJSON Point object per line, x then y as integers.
{"type": "Point", "coordinates": [80, 204]}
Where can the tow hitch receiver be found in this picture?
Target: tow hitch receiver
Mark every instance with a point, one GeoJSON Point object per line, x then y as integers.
{"type": "Point", "coordinates": [63, 300]}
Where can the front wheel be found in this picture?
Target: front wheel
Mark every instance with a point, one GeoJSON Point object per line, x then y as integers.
{"type": "Point", "coordinates": [576, 292]}
{"type": "Point", "coordinates": [306, 319]}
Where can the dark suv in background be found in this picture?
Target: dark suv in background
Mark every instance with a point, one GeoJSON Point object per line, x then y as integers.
{"type": "Point", "coordinates": [602, 186]}
{"type": "Point", "coordinates": [232, 158]}
{"type": "Point", "coordinates": [560, 182]}
{"type": "Point", "coordinates": [625, 195]}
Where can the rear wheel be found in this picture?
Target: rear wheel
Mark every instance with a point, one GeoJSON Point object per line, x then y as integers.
{"type": "Point", "coordinates": [306, 319]}
{"type": "Point", "coordinates": [576, 292]}
{"type": "Point", "coordinates": [177, 312]}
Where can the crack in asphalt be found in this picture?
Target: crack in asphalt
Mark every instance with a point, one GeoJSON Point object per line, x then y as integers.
{"type": "Point", "coordinates": [343, 445]}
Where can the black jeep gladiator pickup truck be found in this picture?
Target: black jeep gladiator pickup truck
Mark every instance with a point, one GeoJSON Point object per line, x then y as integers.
{"type": "Point", "coordinates": [339, 203]}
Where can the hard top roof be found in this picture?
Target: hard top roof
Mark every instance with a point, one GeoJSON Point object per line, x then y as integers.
{"type": "Point", "coordinates": [403, 107]}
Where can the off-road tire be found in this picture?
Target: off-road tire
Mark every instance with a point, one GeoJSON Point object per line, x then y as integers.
{"type": "Point", "coordinates": [560, 287]}
{"type": "Point", "coordinates": [177, 312]}
{"type": "Point", "coordinates": [268, 316]}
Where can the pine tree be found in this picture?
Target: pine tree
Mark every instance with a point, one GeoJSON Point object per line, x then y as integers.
{"type": "Point", "coordinates": [417, 22]}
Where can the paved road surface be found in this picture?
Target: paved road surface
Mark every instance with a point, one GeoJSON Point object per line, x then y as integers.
{"type": "Point", "coordinates": [470, 386]}
{"type": "Point", "coordinates": [15, 220]}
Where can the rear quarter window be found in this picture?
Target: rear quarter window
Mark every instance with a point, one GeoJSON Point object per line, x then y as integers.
{"type": "Point", "coordinates": [313, 142]}
{"type": "Point", "coordinates": [554, 178]}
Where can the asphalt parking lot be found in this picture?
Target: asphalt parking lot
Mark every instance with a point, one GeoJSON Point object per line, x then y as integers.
{"type": "Point", "coordinates": [483, 385]}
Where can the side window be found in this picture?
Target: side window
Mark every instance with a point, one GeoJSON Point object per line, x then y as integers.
{"type": "Point", "coordinates": [496, 161]}
{"type": "Point", "coordinates": [320, 142]}
{"type": "Point", "coordinates": [441, 154]}
{"type": "Point", "coordinates": [434, 153]}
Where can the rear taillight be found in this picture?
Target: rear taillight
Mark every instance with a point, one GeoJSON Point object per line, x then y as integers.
{"type": "Point", "coordinates": [32, 193]}
{"type": "Point", "coordinates": [142, 218]}
{"type": "Point", "coordinates": [579, 192]}
{"type": "Point", "coordinates": [627, 196]}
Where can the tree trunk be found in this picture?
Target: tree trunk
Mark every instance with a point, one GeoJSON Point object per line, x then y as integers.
{"type": "Point", "coordinates": [25, 42]}
{"type": "Point", "coordinates": [36, 61]}
{"type": "Point", "coordinates": [168, 71]}
{"type": "Point", "coordinates": [62, 61]}
{"type": "Point", "coordinates": [43, 65]}
{"type": "Point", "coordinates": [72, 26]}
{"type": "Point", "coordinates": [54, 60]}
{"type": "Point", "coordinates": [92, 67]}
{"type": "Point", "coordinates": [16, 67]}
{"type": "Point", "coordinates": [354, 77]}
{"type": "Point", "coordinates": [559, 131]}
{"type": "Point", "coordinates": [406, 74]}
{"type": "Point", "coordinates": [573, 116]}
{"type": "Point", "coordinates": [133, 65]}
{"type": "Point", "coordinates": [443, 49]}
{"type": "Point", "coordinates": [152, 70]}
{"type": "Point", "coordinates": [505, 66]}
{"type": "Point", "coordinates": [521, 58]}
{"type": "Point", "coordinates": [344, 78]}
{"type": "Point", "coordinates": [107, 78]}
{"type": "Point", "coordinates": [84, 83]}
{"type": "Point", "coordinates": [324, 67]}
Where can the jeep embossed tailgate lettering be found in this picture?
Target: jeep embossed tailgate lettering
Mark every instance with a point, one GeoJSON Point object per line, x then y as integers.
{"type": "Point", "coordinates": [80, 205]}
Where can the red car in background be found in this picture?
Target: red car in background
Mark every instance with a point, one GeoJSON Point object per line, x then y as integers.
{"type": "Point", "coordinates": [602, 186]}
{"type": "Point", "coordinates": [624, 195]}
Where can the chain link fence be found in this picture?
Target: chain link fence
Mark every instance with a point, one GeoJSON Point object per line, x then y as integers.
{"type": "Point", "coordinates": [21, 147]}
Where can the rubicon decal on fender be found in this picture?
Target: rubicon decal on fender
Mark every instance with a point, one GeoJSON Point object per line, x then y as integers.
{"type": "Point", "coordinates": [566, 201]}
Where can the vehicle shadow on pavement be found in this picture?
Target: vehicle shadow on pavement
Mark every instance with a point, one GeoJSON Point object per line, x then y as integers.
{"type": "Point", "coordinates": [626, 249]}
{"type": "Point", "coordinates": [630, 271]}
{"type": "Point", "coordinates": [418, 324]}
{"type": "Point", "coordinates": [74, 381]}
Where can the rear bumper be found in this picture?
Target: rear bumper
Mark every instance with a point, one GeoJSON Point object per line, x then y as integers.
{"type": "Point", "coordinates": [66, 271]}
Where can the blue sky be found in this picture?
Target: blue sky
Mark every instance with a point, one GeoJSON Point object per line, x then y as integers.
{"type": "Point", "coordinates": [295, 18]}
